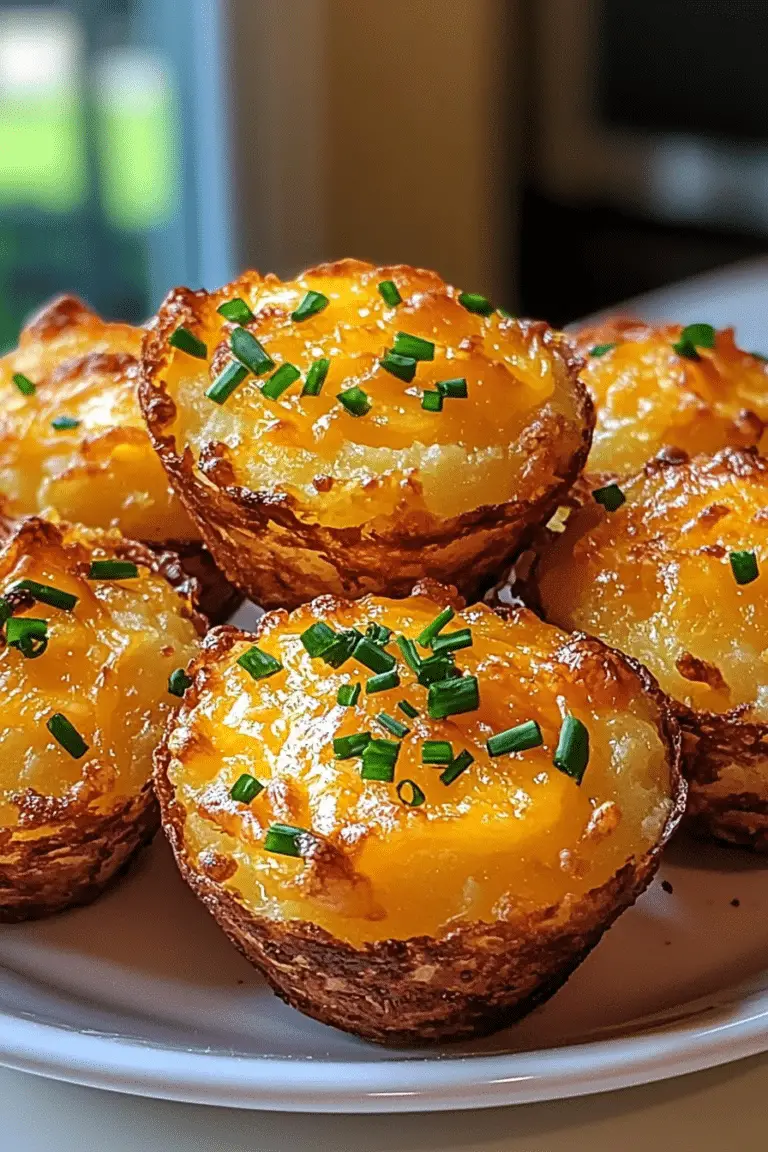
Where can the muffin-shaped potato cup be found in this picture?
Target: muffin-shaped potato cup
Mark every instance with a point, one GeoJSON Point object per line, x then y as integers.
{"type": "Point", "coordinates": [85, 659]}
{"type": "Point", "coordinates": [358, 428]}
{"type": "Point", "coordinates": [665, 386]}
{"type": "Point", "coordinates": [389, 871]}
{"type": "Point", "coordinates": [73, 439]}
{"type": "Point", "coordinates": [677, 577]}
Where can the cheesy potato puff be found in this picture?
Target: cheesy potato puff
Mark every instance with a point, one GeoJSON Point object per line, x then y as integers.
{"type": "Point", "coordinates": [664, 386]}
{"type": "Point", "coordinates": [93, 643]}
{"type": "Point", "coordinates": [73, 439]}
{"type": "Point", "coordinates": [672, 568]}
{"type": "Point", "coordinates": [416, 818]}
{"type": "Point", "coordinates": [358, 428]}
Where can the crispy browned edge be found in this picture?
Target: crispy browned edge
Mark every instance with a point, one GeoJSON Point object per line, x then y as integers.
{"type": "Point", "coordinates": [474, 980]}
{"type": "Point", "coordinates": [716, 745]}
{"type": "Point", "coordinates": [244, 529]}
{"type": "Point", "coordinates": [87, 850]}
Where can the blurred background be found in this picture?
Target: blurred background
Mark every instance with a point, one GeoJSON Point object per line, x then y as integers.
{"type": "Point", "coordinates": [558, 155]}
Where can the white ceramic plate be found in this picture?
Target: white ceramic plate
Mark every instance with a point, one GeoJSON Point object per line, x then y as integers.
{"type": "Point", "coordinates": [142, 993]}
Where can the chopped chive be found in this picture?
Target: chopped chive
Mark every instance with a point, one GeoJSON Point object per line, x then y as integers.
{"type": "Point", "coordinates": [474, 302]}
{"type": "Point", "coordinates": [236, 310]}
{"type": "Point", "coordinates": [312, 303]}
{"type": "Point", "coordinates": [452, 641]}
{"type": "Point", "coordinates": [694, 336]}
{"type": "Point", "coordinates": [347, 747]}
{"type": "Point", "coordinates": [392, 725]}
{"type": "Point", "coordinates": [186, 341]}
{"type": "Point", "coordinates": [317, 638]}
{"type": "Point", "coordinates": [601, 349]}
{"type": "Point", "coordinates": [24, 384]}
{"type": "Point", "coordinates": [410, 794]}
{"type": "Point", "coordinates": [404, 367]}
{"type": "Point", "coordinates": [46, 594]}
{"type": "Point", "coordinates": [413, 347]}
{"type": "Point", "coordinates": [611, 497]}
{"type": "Point", "coordinates": [436, 752]}
{"type": "Point", "coordinates": [456, 767]}
{"type": "Point", "coordinates": [29, 636]}
{"type": "Point", "coordinates": [178, 682]}
{"type": "Point", "coordinates": [341, 649]}
{"type": "Point", "coordinates": [517, 739]}
{"type": "Point", "coordinates": [389, 293]}
{"type": "Point", "coordinates": [373, 656]}
{"type": "Point", "coordinates": [409, 653]}
{"type": "Point", "coordinates": [744, 567]}
{"type": "Point", "coordinates": [249, 351]}
{"type": "Point", "coordinates": [505, 314]}
{"type": "Point", "coordinates": [382, 682]}
{"type": "Point", "coordinates": [450, 697]}
{"type": "Point", "coordinates": [355, 400]}
{"type": "Point", "coordinates": [379, 759]}
{"type": "Point", "coordinates": [427, 635]}
{"type": "Point", "coordinates": [436, 668]}
{"type": "Point", "coordinates": [759, 356]}
{"type": "Point", "coordinates": [67, 735]}
{"type": "Point", "coordinates": [572, 752]}
{"type": "Point", "coordinates": [284, 839]}
{"type": "Point", "coordinates": [112, 570]}
{"type": "Point", "coordinates": [6, 611]}
{"type": "Point", "coordinates": [226, 382]}
{"type": "Point", "coordinates": [285, 375]}
{"type": "Point", "coordinates": [408, 708]}
{"type": "Point", "coordinates": [316, 378]}
{"type": "Point", "coordinates": [455, 389]}
{"type": "Point", "coordinates": [348, 695]}
{"type": "Point", "coordinates": [432, 402]}
{"type": "Point", "coordinates": [64, 423]}
{"type": "Point", "coordinates": [378, 633]}
{"type": "Point", "coordinates": [259, 664]}
{"type": "Point", "coordinates": [246, 788]}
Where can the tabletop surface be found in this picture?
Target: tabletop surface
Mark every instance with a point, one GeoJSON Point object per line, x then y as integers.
{"type": "Point", "coordinates": [720, 1109]}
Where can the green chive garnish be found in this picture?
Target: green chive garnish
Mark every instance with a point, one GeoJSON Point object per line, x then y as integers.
{"type": "Point", "coordinates": [226, 382]}
{"type": "Point", "coordinates": [759, 356]}
{"type": "Point", "coordinates": [432, 402]}
{"type": "Point", "coordinates": [284, 839]}
{"type": "Point", "coordinates": [389, 293]}
{"type": "Point", "coordinates": [474, 302]}
{"type": "Point", "coordinates": [312, 303]}
{"type": "Point", "coordinates": [6, 611]}
{"type": "Point", "coordinates": [382, 682]}
{"type": "Point", "coordinates": [373, 656]}
{"type": "Point", "coordinates": [744, 567]}
{"type": "Point", "coordinates": [404, 367]}
{"type": "Point", "coordinates": [452, 641]}
{"type": "Point", "coordinates": [28, 635]}
{"type": "Point", "coordinates": [316, 378]}
{"type": "Point", "coordinates": [46, 594]}
{"type": "Point", "coordinates": [64, 423]}
{"type": "Point", "coordinates": [436, 752]}
{"type": "Point", "coordinates": [611, 497]}
{"type": "Point", "coordinates": [450, 697]}
{"type": "Point", "coordinates": [259, 664]}
{"type": "Point", "coordinates": [285, 375]}
{"type": "Point", "coordinates": [379, 759]}
{"type": "Point", "coordinates": [392, 725]}
{"type": "Point", "coordinates": [348, 695]}
{"type": "Point", "coordinates": [67, 735]}
{"type": "Point", "coordinates": [517, 739]}
{"type": "Point", "coordinates": [236, 310]}
{"type": "Point", "coordinates": [112, 570]}
{"type": "Point", "coordinates": [248, 351]}
{"type": "Point", "coordinates": [413, 347]}
{"type": "Point", "coordinates": [355, 400]}
{"type": "Point", "coordinates": [455, 389]}
{"type": "Point", "coordinates": [178, 682]}
{"type": "Point", "coordinates": [24, 384]}
{"type": "Point", "coordinates": [246, 788]}
{"type": "Point", "coordinates": [378, 633]}
{"type": "Point", "coordinates": [186, 341]}
{"type": "Point", "coordinates": [572, 752]}
{"type": "Point", "coordinates": [505, 314]}
{"type": "Point", "coordinates": [317, 638]}
{"type": "Point", "coordinates": [428, 634]}
{"type": "Point", "coordinates": [347, 747]}
{"type": "Point", "coordinates": [409, 653]}
{"type": "Point", "coordinates": [692, 337]}
{"type": "Point", "coordinates": [436, 668]}
{"type": "Point", "coordinates": [341, 649]}
{"type": "Point", "coordinates": [456, 767]}
{"type": "Point", "coordinates": [410, 794]}
{"type": "Point", "coordinates": [408, 708]}
{"type": "Point", "coordinates": [601, 349]}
